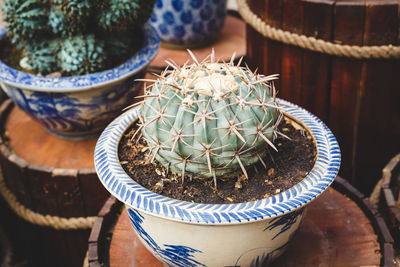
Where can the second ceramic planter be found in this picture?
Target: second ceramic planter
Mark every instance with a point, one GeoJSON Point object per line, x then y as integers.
{"type": "Point", "coordinates": [188, 23]}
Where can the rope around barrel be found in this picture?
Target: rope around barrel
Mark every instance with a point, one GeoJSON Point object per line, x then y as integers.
{"type": "Point", "coordinates": [28, 215]}
{"type": "Point", "coordinates": [314, 44]}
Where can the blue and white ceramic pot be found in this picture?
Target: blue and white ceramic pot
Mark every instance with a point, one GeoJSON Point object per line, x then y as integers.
{"type": "Point", "coordinates": [188, 23]}
{"type": "Point", "coordinates": [78, 106]}
{"type": "Point", "coordinates": [185, 234]}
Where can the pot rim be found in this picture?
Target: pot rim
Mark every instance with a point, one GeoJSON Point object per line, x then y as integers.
{"type": "Point", "coordinates": [124, 188]}
{"type": "Point", "coordinates": [136, 63]}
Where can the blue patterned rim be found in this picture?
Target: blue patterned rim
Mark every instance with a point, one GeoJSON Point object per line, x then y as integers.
{"type": "Point", "coordinates": [140, 60]}
{"type": "Point", "coordinates": [124, 188]}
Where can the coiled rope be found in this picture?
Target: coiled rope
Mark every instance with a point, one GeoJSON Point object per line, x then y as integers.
{"type": "Point", "coordinates": [58, 223]}
{"type": "Point", "coordinates": [314, 44]}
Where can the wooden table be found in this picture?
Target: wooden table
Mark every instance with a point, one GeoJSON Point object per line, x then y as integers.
{"type": "Point", "coordinates": [337, 231]}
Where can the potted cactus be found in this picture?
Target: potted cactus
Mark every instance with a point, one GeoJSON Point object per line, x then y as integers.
{"type": "Point", "coordinates": [188, 24]}
{"type": "Point", "coordinates": [209, 123]}
{"type": "Point", "coordinates": [73, 63]}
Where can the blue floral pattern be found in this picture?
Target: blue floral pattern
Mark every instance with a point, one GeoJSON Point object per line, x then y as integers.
{"type": "Point", "coordinates": [174, 255]}
{"type": "Point", "coordinates": [79, 105]}
{"type": "Point", "coordinates": [116, 181]}
{"type": "Point", "coordinates": [286, 221]}
{"type": "Point", "coordinates": [188, 22]}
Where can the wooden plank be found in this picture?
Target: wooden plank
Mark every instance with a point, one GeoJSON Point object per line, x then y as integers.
{"type": "Point", "coordinates": [378, 98]}
{"type": "Point", "coordinates": [53, 248]}
{"type": "Point", "coordinates": [291, 68]}
{"type": "Point", "coordinates": [345, 83]}
{"type": "Point", "coordinates": [16, 170]}
{"type": "Point", "coordinates": [316, 67]}
{"type": "Point", "coordinates": [77, 246]}
{"type": "Point", "coordinates": [254, 39]}
{"type": "Point", "coordinates": [68, 193]}
{"type": "Point", "coordinates": [69, 204]}
{"type": "Point", "coordinates": [93, 192]}
{"type": "Point", "coordinates": [272, 49]}
{"type": "Point", "coordinates": [44, 195]}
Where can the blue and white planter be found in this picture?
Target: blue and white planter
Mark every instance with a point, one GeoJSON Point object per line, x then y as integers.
{"type": "Point", "coordinates": [78, 106]}
{"type": "Point", "coordinates": [185, 234]}
{"type": "Point", "coordinates": [188, 23]}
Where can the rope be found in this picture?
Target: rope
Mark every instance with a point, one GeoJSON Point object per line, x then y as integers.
{"type": "Point", "coordinates": [314, 44]}
{"type": "Point", "coordinates": [86, 260]}
{"type": "Point", "coordinates": [30, 216]}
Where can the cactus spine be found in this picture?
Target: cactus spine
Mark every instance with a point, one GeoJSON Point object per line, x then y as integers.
{"type": "Point", "coordinates": [211, 119]}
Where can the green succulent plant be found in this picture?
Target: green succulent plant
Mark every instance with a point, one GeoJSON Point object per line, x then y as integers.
{"type": "Point", "coordinates": [40, 56]}
{"type": "Point", "coordinates": [84, 34]}
{"type": "Point", "coordinates": [68, 18]}
{"type": "Point", "coordinates": [26, 19]}
{"type": "Point", "coordinates": [81, 54]}
{"type": "Point", "coordinates": [210, 119]}
{"type": "Point", "coordinates": [121, 14]}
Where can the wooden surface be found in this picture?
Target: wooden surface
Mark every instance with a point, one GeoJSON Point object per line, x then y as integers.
{"type": "Point", "coordinates": [358, 99]}
{"type": "Point", "coordinates": [232, 39]}
{"type": "Point", "coordinates": [30, 141]}
{"type": "Point", "coordinates": [336, 231]}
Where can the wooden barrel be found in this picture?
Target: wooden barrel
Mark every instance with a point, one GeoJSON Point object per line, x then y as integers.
{"type": "Point", "coordinates": [389, 201]}
{"type": "Point", "coordinates": [6, 252]}
{"type": "Point", "coordinates": [48, 176]}
{"type": "Point", "coordinates": [358, 99]}
{"type": "Point", "coordinates": [341, 227]}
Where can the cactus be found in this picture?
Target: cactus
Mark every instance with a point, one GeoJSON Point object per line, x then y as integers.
{"type": "Point", "coordinates": [210, 119]}
{"type": "Point", "coordinates": [87, 32]}
{"type": "Point", "coordinates": [39, 57]}
{"type": "Point", "coordinates": [123, 14]}
{"type": "Point", "coordinates": [82, 54]}
{"type": "Point", "coordinates": [68, 18]}
{"type": "Point", "coordinates": [26, 19]}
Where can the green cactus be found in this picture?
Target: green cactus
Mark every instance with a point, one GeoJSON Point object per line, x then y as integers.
{"type": "Point", "coordinates": [124, 14]}
{"type": "Point", "coordinates": [82, 54]}
{"type": "Point", "coordinates": [210, 119]}
{"type": "Point", "coordinates": [26, 19]}
{"type": "Point", "coordinates": [92, 34]}
{"type": "Point", "coordinates": [68, 18]}
{"type": "Point", "coordinates": [39, 57]}
{"type": "Point", "coordinates": [118, 43]}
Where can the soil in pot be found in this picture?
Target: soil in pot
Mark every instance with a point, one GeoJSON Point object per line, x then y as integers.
{"type": "Point", "coordinates": [284, 169]}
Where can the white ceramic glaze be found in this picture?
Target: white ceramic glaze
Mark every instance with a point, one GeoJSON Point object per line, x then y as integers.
{"type": "Point", "coordinates": [182, 233]}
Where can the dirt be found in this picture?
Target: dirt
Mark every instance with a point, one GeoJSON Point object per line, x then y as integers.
{"type": "Point", "coordinates": [10, 54]}
{"type": "Point", "coordinates": [284, 169]}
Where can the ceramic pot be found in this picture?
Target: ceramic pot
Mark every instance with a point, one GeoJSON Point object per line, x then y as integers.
{"type": "Point", "coordinates": [78, 106]}
{"type": "Point", "coordinates": [188, 23]}
{"type": "Point", "coordinates": [182, 233]}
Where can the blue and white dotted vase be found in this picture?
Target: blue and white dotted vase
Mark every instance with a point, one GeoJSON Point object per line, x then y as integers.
{"type": "Point", "coordinates": [188, 23]}
{"type": "Point", "coordinates": [183, 234]}
{"type": "Point", "coordinates": [80, 106]}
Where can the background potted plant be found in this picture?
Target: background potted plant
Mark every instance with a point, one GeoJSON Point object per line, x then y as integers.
{"type": "Point", "coordinates": [212, 121]}
{"type": "Point", "coordinates": [99, 49]}
{"type": "Point", "coordinates": [188, 24]}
